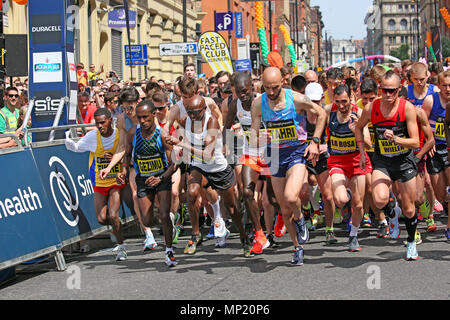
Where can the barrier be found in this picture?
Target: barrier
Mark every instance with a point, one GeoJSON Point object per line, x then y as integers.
{"type": "Point", "coordinates": [47, 201]}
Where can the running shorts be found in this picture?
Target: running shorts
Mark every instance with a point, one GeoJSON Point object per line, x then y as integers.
{"type": "Point", "coordinates": [105, 190]}
{"type": "Point", "coordinates": [144, 190]}
{"type": "Point", "coordinates": [402, 169]}
{"type": "Point", "coordinates": [286, 159]}
{"type": "Point", "coordinates": [348, 165]}
{"type": "Point", "coordinates": [321, 165]}
{"type": "Point", "coordinates": [439, 162]}
{"type": "Point", "coordinates": [222, 180]}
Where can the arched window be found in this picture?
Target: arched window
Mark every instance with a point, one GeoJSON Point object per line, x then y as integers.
{"type": "Point", "coordinates": [403, 25]}
{"type": "Point", "coordinates": [391, 25]}
{"type": "Point", "coordinates": [415, 24]}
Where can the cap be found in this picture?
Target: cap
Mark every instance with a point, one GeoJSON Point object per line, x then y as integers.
{"type": "Point", "coordinates": [314, 91]}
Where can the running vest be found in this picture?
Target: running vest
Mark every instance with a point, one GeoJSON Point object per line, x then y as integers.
{"type": "Point", "coordinates": [287, 127]}
{"type": "Point", "coordinates": [437, 120]}
{"type": "Point", "coordinates": [341, 140]}
{"type": "Point", "coordinates": [197, 140]}
{"type": "Point", "coordinates": [412, 98]}
{"type": "Point", "coordinates": [97, 162]}
{"type": "Point", "coordinates": [397, 124]}
{"type": "Point", "coordinates": [10, 122]}
{"type": "Point", "coordinates": [245, 119]}
{"type": "Point", "coordinates": [149, 156]}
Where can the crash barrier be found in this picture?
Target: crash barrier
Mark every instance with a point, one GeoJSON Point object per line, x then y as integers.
{"type": "Point", "coordinates": [47, 201]}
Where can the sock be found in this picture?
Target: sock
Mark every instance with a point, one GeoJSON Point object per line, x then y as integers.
{"type": "Point", "coordinates": [121, 246]}
{"type": "Point", "coordinates": [148, 233]}
{"type": "Point", "coordinates": [354, 231]}
{"type": "Point", "coordinates": [216, 210]}
{"type": "Point", "coordinates": [384, 222]}
{"type": "Point", "coordinates": [169, 249]}
{"type": "Point", "coordinates": [312, 197]}
{"type": "Point", "coordinates": [411, 226]}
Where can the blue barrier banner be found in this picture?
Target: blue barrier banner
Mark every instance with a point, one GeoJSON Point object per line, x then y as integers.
{"type": "Point", "coordinates": [26, 221]}
{"type": "Point", "coordinates": [65, 177]}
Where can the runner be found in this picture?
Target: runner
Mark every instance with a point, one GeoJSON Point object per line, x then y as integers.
{"type": "Point", "coordinates": [240, 108]}
{"type": "Point", "coordinates": [126, 123]}
{"type": "Point", "coordinates": [280, 110]}
{"type": "Point", "coordinates": [334, 77]}
{"type": "Point", "coordinates": [438, 165]}
{"type": "Point", "coordinates": [100, 142]}
{"type": "Point", "coordinates": [203, 143]}
{"type": "Point", "coordinates": [395, 130]}
{"type": "Point", "coordinates": [154, 169]}
{"type": "Point", "coordinates": [314, 91]}
{"type": "Point", "coordinates": [343, 163]}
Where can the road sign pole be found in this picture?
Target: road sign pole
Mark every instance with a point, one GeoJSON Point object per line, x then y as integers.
{"type": "Point", "coordinates": [185, 58]}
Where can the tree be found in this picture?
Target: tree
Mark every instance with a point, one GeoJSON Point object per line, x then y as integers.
{"type": "Point", "coordinates": [401, 52]}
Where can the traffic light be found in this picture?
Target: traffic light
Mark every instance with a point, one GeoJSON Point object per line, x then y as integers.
{"type": "Point", "coordinates": [446, 16]}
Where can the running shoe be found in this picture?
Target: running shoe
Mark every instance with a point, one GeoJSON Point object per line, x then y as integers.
{"type": "Point", "coordinates": [425, 209]}
{"type": "Point", "coordinates": [170, 259]}
{"type": "Point", "coordinates": [259, 244]}
{"type": "Point", "coordinates": [437, 206]}
{"type": "Point", "coordinates": [192, 244]}
{"type": "Point", "coordinates": [280, 228]}
{"type": "Point", "coordinates": [210, 234]}
{"type": "Point", "coordinates": [383, 231]}
{"type": "Point", "coordinates": [121, 254]}
{"type": "Point", "coordinates": [177, 234]}
{"type": "Point", "coordinates": [330, 238]}
{"type": "Point", "coordinates": [447, 234]}
{"type": "Point", "coordinates": [298, 256]}
{"type": "Point", "coordinates": [337, 216]}
{"type": "Point", "coordinates": [302, 231]}
{"type": "Point", "coordinates": [366, 222]}
{"type": "Point", "coordinates": [221, 241]}
{"type": "Point", "coordinates": [149, 244]}
{"type": "Point", "coordinates": [394, 227]}
{"type": "Point", "coordinates": [219, 228]}
{"type": "Point", "coordinates": [272, 242]}
{"type": "Point", "coordinates": [245, 243]}
{"type": "Point", "coordinates": [353, 244]}
{"type": "Point", "coordinates": [411, 251]}
{"type": "Point", "coordinates": [431, 225]}
{"type": "Point", "coordinates": [316, 220]}
{"type": "Point", "coordinates": [417, 239]}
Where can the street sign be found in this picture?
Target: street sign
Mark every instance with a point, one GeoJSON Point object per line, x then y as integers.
{"type": "Point", "coordinates": [242, 49]}
{"type": "Point", "coordinates": [117, 18]}
{"type": "Point", "coordinates": [224, 21]}
{"type": "Point", "coordinates": [255, 55]}
{"type": "Point", "coordinates": [178, 48]}
{"type": "Point", "coordinates": [239, 25]}
{"type": "Point", "coordinates": [243, 65]}
{"type": "Point", "coordinates": [136, 55]}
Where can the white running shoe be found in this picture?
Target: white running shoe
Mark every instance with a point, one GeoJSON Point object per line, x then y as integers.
{"type": "Point", "coordinates": [220, 229]}
{"type": "Point", "coordinates": [222, 241]}
{"type": "Point", "coordinates": [121, 254]}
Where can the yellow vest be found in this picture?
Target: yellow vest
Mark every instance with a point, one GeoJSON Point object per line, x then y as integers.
{"type": "Point", "coordinates": [10, 122]}
{"type": "Point", "coordinates": [98, 162]}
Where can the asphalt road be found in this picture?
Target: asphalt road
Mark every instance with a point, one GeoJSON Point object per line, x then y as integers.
{"type": "Point", "coordinates": [379, 271]}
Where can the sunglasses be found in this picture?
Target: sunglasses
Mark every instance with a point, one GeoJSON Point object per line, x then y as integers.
{"type": "Point", "coordinates": [127, 108]}
{"type": "Point", "coordinates": [13, 95]}
{"type": "Point", "coordinates": [115, 101]}
{"type": "Point", "coordinates": [159, 108]}
{"type": "Point", "coordinates": [195, 112]}
{"type": "Point", "coordinates": [115, 90]}
{"type": "Point", "coordinates": [389, 90]}
{"type": "Point", "coordinates": [101, 95]}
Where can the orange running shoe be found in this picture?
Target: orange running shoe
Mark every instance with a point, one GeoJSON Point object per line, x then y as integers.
{"type": "Point", "coordinates": [280, 228]}
{"type": "Point", "coordinates": [259, 244]}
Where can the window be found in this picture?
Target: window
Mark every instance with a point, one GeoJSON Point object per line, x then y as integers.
{"type": "Point", "coordinates": [391, 25]}
{"type": "Point", "coordinates": [415, 25]}
{"type": "Point", "coordinates": [404, 39]}
{"type": "Point", "coordinates": [392, 40]}
{"type": "Point", "coordinates": [403, 25]}
{"type": "Point", "coordinates": [400, 7]}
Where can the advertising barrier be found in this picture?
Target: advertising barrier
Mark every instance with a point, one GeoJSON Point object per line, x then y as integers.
{"type": "Point", "coordinates": [47, 202]}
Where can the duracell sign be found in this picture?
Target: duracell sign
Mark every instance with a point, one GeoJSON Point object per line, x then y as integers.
{"type": "Point", "coordinates": [46, 28]}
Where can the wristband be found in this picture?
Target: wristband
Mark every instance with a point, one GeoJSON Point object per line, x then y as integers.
{"type": "Point", "coordinates": [125, 165]}
{"type": "Point", "coordinates": [359, 141]}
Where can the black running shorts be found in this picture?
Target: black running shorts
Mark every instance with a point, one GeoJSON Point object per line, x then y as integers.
{"type": "Point", "coordinates": [439, 162]}
{"type": "Point", "coordinates": [321, 165]}
{"type": "Point", "coordinates": [144, 190]}
{"type": "Point", "coordinates": [222, 180]}
{"type": "Point", "coordinates": [402, 169]}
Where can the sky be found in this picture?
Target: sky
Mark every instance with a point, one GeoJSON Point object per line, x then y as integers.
{"type": "Point", "coordinates": [344, 18]}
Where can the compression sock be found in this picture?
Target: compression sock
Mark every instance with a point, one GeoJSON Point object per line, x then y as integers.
{"type": "Point", "coordinates": [411, 226]}
{"type": "Point", "coordinates": [216, 209]}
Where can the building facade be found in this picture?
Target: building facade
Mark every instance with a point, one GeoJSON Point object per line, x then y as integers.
{"type": "Point", "coordinates": [431, 17]}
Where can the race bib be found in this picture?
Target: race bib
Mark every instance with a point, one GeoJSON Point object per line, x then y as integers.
{"type": "Point", "coordinates": [282, 131]}
{"type": "Point", "coordinates": [344, 145]}
{"type": "Point", "coordinates": [150, 165]}
{"type": "Point", "coordinates": [390, 148]}
{"type": "Point", "coordinates": [439, 131]}
{"type": "Point", "coordinates": [103, 163]}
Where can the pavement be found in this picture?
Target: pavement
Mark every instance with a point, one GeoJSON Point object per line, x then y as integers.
{"type": "Point", "coordinates": [378, 271]}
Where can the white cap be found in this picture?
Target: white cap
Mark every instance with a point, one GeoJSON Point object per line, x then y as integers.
{"type": "Point", "coordinates": [314, 91]}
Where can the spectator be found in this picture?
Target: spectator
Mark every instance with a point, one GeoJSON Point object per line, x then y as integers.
{"type": "Point", "coordinates": [189, 70]}
{"type": "Point", "coordinates": [8, 117]}
{"type": "Point", "coordinates": [311, 76]}
{"type": "Point", "coordinates": [112, 103]}
{"type": "Point", "coordinates": [87, 110]}
{"type": "Point", "coordinates": [224, 87]}
{"type": "Point", "coordinates": [93, 75]}
{"type": "Point", "coordinates": [286, 74]}
{"type": "Point", "coordinates": [202, 87]}
{"type": "Point", "coordinates": [82, 75]}
{"type": "Point", "coordinates": [20, 125]}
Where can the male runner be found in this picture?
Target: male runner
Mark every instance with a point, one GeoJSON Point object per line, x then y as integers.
{"type": "Point", "coordinates": [343, 163]}
{"type": "Point", "coordinates": [334, 78]}
{"type": "Point", "coordinates": [126, 123]}
{"type": "Point", "coordinates": [281, 111]}
{"type": "Point", "coordinates": [438, 165]}
{"type": "Point", "coordinates": [99, 142]}
{"type": "Point", "coordinates": [240, 108]}
{"type": "Point", "coordinates": [203, 143]}
{"type": "Point", "coordinates": [395, 131]}
{"type": "Point", "coordinates": [154, 168]}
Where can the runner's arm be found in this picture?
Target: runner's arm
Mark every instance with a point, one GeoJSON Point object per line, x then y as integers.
{"type": "Point", "coordinates": [425, 125]}
{"type": "Point", "coordinates": [256, 113]}
{"type": "Point", "coordinates": [86, 143]}
{"type": "Point", "coordinates": [411, 122]}
{"type": "Point", "coordinates": [361, 127]}
{"type": "Point", "coordinates": [121, 147]}
{"type": "Point", "coordinates": [214, 110]}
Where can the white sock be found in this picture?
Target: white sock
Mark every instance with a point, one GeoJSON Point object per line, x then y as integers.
{"type": "Point", "coordinates": [312, 198]}
{"type": "Point", "coordinates": [169, 250]}
{"type": "Point", "coordinates": [354, 231]}
{"type": "Point", "coordinates": [216, 210]}
{"type": "Point", "coordinates": [148, 233]}
{"type": "Point", "coordinates": [121, 246]}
